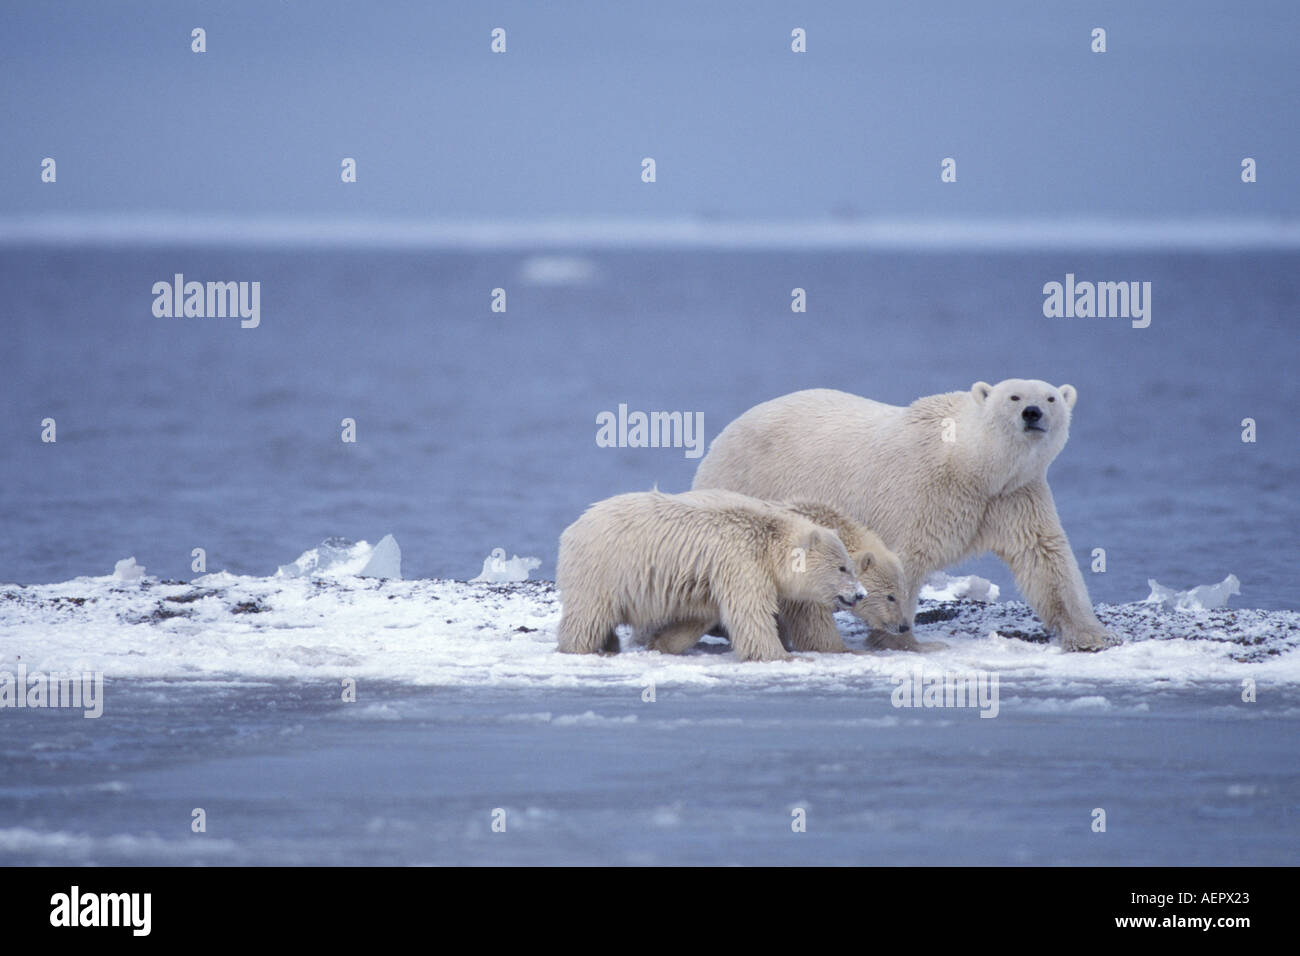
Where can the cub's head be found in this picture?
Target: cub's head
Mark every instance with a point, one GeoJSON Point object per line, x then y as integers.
{"type": "Point", "coordinates": [819, 569]}
{"type": "Point", "coordinates": [881, 573]}
{"type": "Point", "coordinates": [1028, 415]}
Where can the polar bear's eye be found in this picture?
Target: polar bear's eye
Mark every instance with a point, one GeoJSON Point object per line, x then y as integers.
{"type": "Point", "coordinates": [1015, 398]}
{"type": "Point", "coordinates": [1051, 398]}
{"type": "Point", "coordinates": [891, 597]}
{"type": "Point", "coordinates": [844, 569]}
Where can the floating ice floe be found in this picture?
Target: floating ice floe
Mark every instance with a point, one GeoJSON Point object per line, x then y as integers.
{"type": "Point", "coordinates": [1200, 598]}
{"type": "Point", "coordinates": [339, 557]}
{"type": "Point", "coordinates": [557, 270]}
{"type": "Point", "coordinates": [497, 570]}
{"type": "Point", "coordinates": [128, 570]}
{"type": "Point", "coordinates": [943, 587]}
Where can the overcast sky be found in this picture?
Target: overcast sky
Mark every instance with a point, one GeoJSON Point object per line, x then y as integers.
{"type": "Point", "coordinates": [739, 126]}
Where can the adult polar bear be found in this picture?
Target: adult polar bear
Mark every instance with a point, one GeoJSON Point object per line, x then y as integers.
{"type": "Point", "coordinates": [946, 477]}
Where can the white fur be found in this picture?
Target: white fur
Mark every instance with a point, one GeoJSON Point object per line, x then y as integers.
{"type": "Point", "coordinates": [931, 500]}
{"type": "Point", "coordinates": [885, 610]}
{"type": "Point", "coordinates": [673, 565]}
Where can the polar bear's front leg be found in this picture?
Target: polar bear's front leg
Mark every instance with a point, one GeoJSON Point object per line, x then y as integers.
{"type": "Point", "coordinates": [680, 637]}
{"type": "Point", "coordinates": [1023, 529]}
{"type": "Point", "coordinates": [753, 632]}
{"type": "Point", "coordinates": [584, 631]}
{"type": "Point", "coordinates": [805, 626]}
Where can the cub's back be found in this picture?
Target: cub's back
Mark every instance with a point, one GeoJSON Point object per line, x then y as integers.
{"type": "Point", "coordinates": [685, 534]}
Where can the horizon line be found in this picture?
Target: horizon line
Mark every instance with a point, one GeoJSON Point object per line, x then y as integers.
{"type": "Point", "coordinates": [719, 233]}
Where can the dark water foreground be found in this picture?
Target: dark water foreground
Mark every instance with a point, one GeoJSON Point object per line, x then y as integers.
{"type": "Point", "coordinates": [289, 774]}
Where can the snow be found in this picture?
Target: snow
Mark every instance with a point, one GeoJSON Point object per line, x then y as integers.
{"type": "Point", "coordinates": [497, 570]}
{"type": "Point", "coordinates": [312, 621]}
{"type": "Point", "coordinates": [943, 587]}
{"type": "Point", "coordinates": [1201, 598]}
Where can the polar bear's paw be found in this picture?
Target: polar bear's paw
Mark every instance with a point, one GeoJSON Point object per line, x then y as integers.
{"type": "Point", "coordinates": [1089, 639]}
{"type": "Point", "coordinates": [888, 641]}
{"type": "Point", "coordinates": [769, 656]}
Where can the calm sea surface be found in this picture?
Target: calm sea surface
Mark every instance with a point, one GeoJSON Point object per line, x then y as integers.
{"type": "Point", "coordinates": [476, 430]}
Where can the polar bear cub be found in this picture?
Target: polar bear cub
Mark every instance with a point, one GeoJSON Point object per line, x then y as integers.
{"type": "Point", "coordinates": [804, 626]}
{"type": "Point", "coordinates": [673, 565]}
{"type": "Point", "coordinates": [809, 627]}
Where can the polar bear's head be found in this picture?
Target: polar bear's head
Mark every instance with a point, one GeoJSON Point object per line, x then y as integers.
{"type": "Point", "coordinates": [1029, 417]}
{"type": "Point", "coordinates": [884, 607]}
{"type": "Point", "coordinates": [821, 571]}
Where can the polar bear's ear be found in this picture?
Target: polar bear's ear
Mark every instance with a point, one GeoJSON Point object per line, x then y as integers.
{"type": "Point", "coordinates": [826, 538]}
{"type": "Point", "coordinates": [1069, 394]}
{"type": "Point", "coordinates": [980, 391]}
{"type": "Point", "coordinates": [864, 562]}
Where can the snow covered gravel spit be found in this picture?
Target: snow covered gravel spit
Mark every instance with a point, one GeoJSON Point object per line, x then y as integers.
{"type": "Point", "coordinates": [453, 633]}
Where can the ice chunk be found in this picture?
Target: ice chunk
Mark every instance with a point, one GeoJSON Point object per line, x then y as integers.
{"type": "Point", "coordinates": [340, 557]}
{"type": "Point", "coordinates": [1200, 598]}
{"type": "Point", "coordinates": [557, 270]}
{"type": "Point", "coordinates": [497, 570]}
{"type": "Point", "coordinates": [128, 570]}
{"type": "Point", "coordinates": [333, 556]}
{"type": "Point", "coordinates": [385, 560]}
{"type": "Point", "coordinates": [943, 587]}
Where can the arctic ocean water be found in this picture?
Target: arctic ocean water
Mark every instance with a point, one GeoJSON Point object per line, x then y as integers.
{"type": "Point", "coordinates": [476, 429]}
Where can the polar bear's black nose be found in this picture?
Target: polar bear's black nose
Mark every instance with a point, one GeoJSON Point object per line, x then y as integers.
{"type": "Point", "coordinates": [904, 628]}
{"type": "Point", "coordinates": [1032, 414]}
